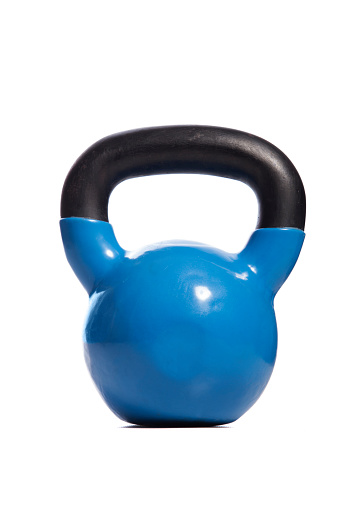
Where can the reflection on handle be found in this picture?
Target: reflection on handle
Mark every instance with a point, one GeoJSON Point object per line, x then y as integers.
{"type": "Point", "coordinates": [91, 249]}
{"type": "Point", "coordinates": [271, 253]}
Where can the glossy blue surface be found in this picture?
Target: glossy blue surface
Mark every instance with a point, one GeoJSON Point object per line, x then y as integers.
{"type": "Point", "coordinates": [180, 334]}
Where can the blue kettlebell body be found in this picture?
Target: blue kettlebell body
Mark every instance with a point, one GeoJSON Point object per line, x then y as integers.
{"type": "Point", "coordinates": [180, 333]}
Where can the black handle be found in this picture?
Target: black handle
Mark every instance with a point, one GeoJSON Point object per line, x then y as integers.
{"type": "Point", "coordinates": [187, 149]}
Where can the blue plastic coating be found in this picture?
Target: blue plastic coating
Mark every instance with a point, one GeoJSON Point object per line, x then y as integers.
{"type": "Point", "coordinates": [180, 333]}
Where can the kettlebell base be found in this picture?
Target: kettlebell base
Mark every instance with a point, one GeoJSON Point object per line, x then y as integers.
{"type": "Point", "coordinates": [178, 424]}
{"type": "Point", "coordinates": [168, 422]}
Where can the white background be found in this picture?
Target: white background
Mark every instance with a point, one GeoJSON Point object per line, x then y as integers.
{"type": "Point", "coordinates": [73, 72]}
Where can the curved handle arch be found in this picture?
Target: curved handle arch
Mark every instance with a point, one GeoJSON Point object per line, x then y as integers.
{"type": "Point", "coordinates": [186, 149]}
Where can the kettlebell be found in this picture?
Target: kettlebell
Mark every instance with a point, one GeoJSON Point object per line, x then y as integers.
{"type": "Point", "coordinates": [180, 333]}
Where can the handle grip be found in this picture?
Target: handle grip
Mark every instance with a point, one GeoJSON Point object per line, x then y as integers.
{"type": "Point", "coordinates": [186, 149]}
